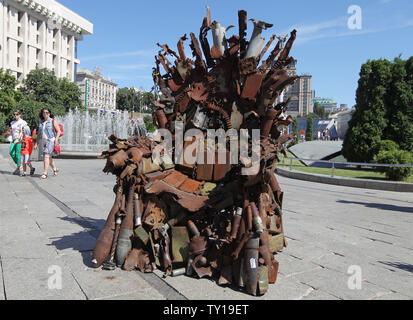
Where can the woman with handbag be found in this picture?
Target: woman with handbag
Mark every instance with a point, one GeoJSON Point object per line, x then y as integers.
{"type": "Point", "coordinates": [48, 139]}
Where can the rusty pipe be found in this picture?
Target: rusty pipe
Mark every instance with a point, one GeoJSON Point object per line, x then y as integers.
{"type": "Point", "coordinates": [236, 223]}
{"type": "Point", "coordinates": [256, 219]}
{"type": "Point", "coordinates": [126, 230]}
{"type": "Point", "coordinates": [105, 240]}
{"type": "Point", "coordinates": [138, 210]}
{"type": "Point", "coordinates": [193, 228]}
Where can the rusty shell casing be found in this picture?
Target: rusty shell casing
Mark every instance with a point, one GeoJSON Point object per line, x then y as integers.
{"type": "Point", "coordinates": [273, 272]}
{"type": "Point", "coordinates": [166, 257]}
{"type": "Point", "coordinates": [248, 222]}
{"type": "Point", "coordinates": [251, 265]}
{"type": "Point", "coordinates": [256, 219]}
{"type": "Point", "coordinates": [272, 180]}
{"type": "Point", "coordinates": [178, 272]}
{"type": "Point", "coordinates": [189, 269]}
{"type": "Point", "coordinates": [104, 242]}
{"type": "Point", "coordinates": [263, 280]}
{"type": "Point", "coordinates": [193, 228]}
{"type": "Point", "coordinates": [135, 155]}
{"type": "Point", "coordinates": [198, 245]}
{"type": "Point", "coordinates": [161, 119]}
{"type": "Point", "coordinates": [137, 210]}
{"type": "Point", "coordinates": [236, 223]}
{"type": "Point", "coordinates": [124, 246]}
{"type": "Point", "coordinates": [267, 121]}
{"type": "Point", "coordinates": [118, 160]}
{"type": "Point", "coordinates": [127, 222]}
{"type": "Point", "coordinates": [265, 248]}
{"type": "Point", "coordinates": [241, 279]}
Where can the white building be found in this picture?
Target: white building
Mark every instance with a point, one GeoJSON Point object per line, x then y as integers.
{"type": "Point", "coordinates": [342, 119]}
{"type": "Point", "coordinates": [40, 34]}
{"type": "Point", "coordinates": [97, 92]}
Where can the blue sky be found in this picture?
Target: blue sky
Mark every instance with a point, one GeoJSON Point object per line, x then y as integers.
{"type": "Point", "coordinates": [126, 33]}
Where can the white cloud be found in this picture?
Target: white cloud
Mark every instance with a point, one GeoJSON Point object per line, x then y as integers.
{"type": "Point", "coordinates": [315, 28]}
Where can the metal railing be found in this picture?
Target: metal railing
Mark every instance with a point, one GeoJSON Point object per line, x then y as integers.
{"type": "Point", "coordinates": [347, 164]}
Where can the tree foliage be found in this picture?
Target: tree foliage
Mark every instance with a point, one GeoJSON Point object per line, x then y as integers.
{"type": "Point", "coordinates": [381, 129]}
{"type": "Point", "coordinates": [9, 97]}
{"type": "Point", "coordinates": [132, 100]}
{"type": "Point", "coordinates": [320, 111]}
{"type": "Point", "coordinates": [309, 132]}
{"type": "Point", "coordinates": [41, 85]}
{"type": "Point", "coordinates": [389, 153]}
{"type": "Point", "coordinates": [40, 89]}
{"type": "Point", "coordinates": [369, 120]}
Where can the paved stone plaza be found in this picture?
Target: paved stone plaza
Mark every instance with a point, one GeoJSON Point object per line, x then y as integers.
{"type": "Point", "coordinates": [44, 224]}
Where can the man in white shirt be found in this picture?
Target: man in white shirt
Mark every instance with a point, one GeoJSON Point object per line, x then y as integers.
{"type": "Point", "coordinates": [17, 133]}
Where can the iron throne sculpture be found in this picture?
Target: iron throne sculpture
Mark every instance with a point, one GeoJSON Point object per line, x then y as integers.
{"type": "Point", "coordinates": [205, 219]}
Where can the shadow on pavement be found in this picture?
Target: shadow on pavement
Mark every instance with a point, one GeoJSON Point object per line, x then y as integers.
{"type": "Point", "coordinates": [83, 241]}
{"type": "Point", "coordinates": [399, 265]}
{"type": "Point", "coordinates": [10, 173]}
{"type": "Point", "coordinates": [381, 206]}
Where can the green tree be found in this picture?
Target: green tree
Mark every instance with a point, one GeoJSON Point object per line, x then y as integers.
{"type": "Point", "coordinates": [9, 97]}
{"type": "Point", "coordinates": [309, 131]}
{"type": "Point", "coordinates": [320, 111]}
{"type": "Point", "coordinates": [69, 94]}
{"type": "Point", "coordinates": [131, 100]}
{"type": "Point", "coordinates": [8, 93]}
{"type": "Point", "coordinates": [59, 95]}
{"type": "Point", "coordinates": [389, 153]}
{"type": "Point", "coordinates": [366, 128]}
{"type": "Point", "coordinates": [399, 103]}
{"type": "Point", "coordinates": [124, 99]}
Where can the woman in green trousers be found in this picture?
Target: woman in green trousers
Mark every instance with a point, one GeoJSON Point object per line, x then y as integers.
{"type": "Point", "coordinates": [16, 127]}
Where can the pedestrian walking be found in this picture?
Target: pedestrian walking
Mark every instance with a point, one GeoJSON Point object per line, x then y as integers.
{"type": "Point", "coordinates": [48, 139]}
{"type": "Point", "coordinates": [16, 127]}
{"type": "Point", "coordinates": [26, 152]}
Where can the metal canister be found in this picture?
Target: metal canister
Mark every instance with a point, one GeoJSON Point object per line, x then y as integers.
{"type": "Point", "coordinates": [124, 246]}
{"type": "Point", "coordinates": [251, 265]}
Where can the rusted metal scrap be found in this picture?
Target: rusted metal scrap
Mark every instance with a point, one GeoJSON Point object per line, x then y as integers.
{"type": "Point", "coordinates": [205, 220]}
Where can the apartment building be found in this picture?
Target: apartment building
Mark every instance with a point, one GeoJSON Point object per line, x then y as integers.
{"type": "Point", "coordinates": [97, 91]}
{"type": "Point", "coordinates": [40, 34]}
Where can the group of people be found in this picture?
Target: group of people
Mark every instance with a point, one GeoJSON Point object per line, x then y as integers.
{"type": "Point", "coordinates": [22, 144]}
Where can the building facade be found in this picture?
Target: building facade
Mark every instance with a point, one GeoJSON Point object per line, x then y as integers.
{"type": "Point", "coordinates": [40, 34]}
{"type": "Point", "coordinates": [342, 120]}
{"type": "Point", "coordinates": [301, 103]}
{"type": "Point", "coordinates": [329, 104]}
{"type": "Point", "coordinates": [97, 92]}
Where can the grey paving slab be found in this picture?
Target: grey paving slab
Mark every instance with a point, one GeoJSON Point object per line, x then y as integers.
{"type": "Point", "coordinates": [100, 284]}
{"type": "Point", "coordinates": [320, 295]}
{"type": "Point", "coordinates": [29, 279]}
{"type": "Point", "coordinates": [291, 266]}
{"type": "Point", "coordinates": [2, 297]}
{"type": "Point", "coordinates": [336, 284]}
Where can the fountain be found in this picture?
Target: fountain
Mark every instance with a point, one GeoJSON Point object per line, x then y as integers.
{"type": "Point", "coordinates": [88, 132]}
